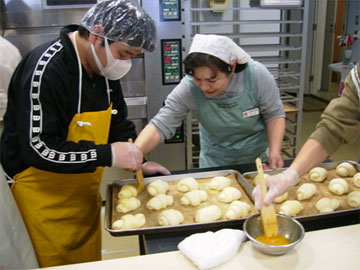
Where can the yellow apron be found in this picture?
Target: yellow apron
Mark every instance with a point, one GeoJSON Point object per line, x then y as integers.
{"type": "Point", "coordinates": [62, 211]}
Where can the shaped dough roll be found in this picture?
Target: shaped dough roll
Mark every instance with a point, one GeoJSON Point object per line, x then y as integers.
{"type": "Point", "coordinates": [326, 205]}
{"type": "Point", "coordinates": [338, 186]}
{"type": "Point", "coordinates": [305, 191]}
{"type": "Point", "coordinates": [160, 201]}
{"type": "Point", "coordinates": [317, 174]}
{"type": "Point", "coordinates": [353, 199]}
{"type": "Point", "coordinates": [170, 217]}
{"type": "Point", "coordinates": [256, 179]}
{"type": "Point", "coordinates": [281, 198]}
{"type": "Point", "coordinates": [291, 208]}
{"type": "Point", "coordinates": [219, 182]}
{"type": "Point", "coordinates": [157, 187]}
{"type": "Point", "coordinates": [187, 184]}
{"type": "Point", "coordinates": [229, 194]}
{"type": "Point", "coordinates": [128, 204]}
{"type": "Point", "coordinates": [345, 169]}
{"type": "Point", "coordinates": [194, 197]}
{"type": "Point", "coordinates": [207, 214]}
{"type": "Point", "coordinates": [238, 209]}
{"type": "Point", "coordinates": [356, 179]}
{"type": "Point", "coordinates": [127, 191]}
{"type": "Point", "coordinates": [129, 221]}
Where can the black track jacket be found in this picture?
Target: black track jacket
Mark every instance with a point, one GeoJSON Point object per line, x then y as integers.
{"type": "Point", "coordinates": [42, 100]}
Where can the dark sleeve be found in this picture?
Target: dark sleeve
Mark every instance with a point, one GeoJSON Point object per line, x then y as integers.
{"type": "Point", "coordinates": [43, 110]}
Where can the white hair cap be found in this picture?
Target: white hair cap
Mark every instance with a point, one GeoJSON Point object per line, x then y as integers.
{"type": "Point", "coordinates": [219, 46]}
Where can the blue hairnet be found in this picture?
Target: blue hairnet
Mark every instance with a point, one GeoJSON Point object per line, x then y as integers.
{"type": "Point", "coordinates": [122, 20]}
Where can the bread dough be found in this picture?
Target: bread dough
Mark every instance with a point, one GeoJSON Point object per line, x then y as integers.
{"type": "Point", "coordinates": [305, 191]}
{"type": "Point", "coordinates": [317, 174]}
{"type": "Point", "coordinates": [219, 183]}
{"type": "Point", "coordinates": [238, 209]}
{"type": "Point", "coordinates": [356, 179]}
{"type": "Point", "coordinates": [345, 169]}
{"type": "Point", "coordinates": [160, 201]}
{"type": "Point", "coordinates": [229, 194]}
{"type": "Point", "coordinates": [157, 187]}
{"type": "Point", "coordinates": [281, 198]}
{"type": "Point", "coordinates": [256, 179]}
{"type": "Point", "coordinates": [291, 208]}
{"type": "Point", "coordinates": [187, 184]}
{"type": "Point", "coordinates": [128, 190]}
{"type": "Point", "coordinates": [207, 214]}
{"type": "Point", "coordinates": [338, 186]}
{"type": "Point", "coordinates": [170, 217]}
{"type": "Point", "coordinates": [129, 221]}
{"type": "Point", "coordinates": [326, 205]}
{"type": "Point", "coordinates": [194, 197]}
{"type": "Point", "coordinates": [127, 204]}
{"type": "Point", "coordinates": [353, 199]}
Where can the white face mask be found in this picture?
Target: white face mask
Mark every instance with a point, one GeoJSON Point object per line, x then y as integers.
{"type": "Point", "coordinates": [115, 68]}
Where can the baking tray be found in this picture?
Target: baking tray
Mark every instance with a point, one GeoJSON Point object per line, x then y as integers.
{"type": "Point", "coordinates": [309, 204]}
{"type": "Point", "coordinates": [114, 187]}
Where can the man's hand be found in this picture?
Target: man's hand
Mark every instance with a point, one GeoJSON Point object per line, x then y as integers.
{"type": "Point", "coordinates": [126, 155]}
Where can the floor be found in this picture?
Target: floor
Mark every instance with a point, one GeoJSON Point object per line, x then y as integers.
{"type": "Point", "coordinates": [125, 246]}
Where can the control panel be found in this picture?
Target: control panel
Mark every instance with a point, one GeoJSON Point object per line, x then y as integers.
{"type": "Point", "coordinates": [170, 10]}
{"type": "Point", "coordinates": [171, 61]}
{"type": "Point", "coordinates": [178, 136]}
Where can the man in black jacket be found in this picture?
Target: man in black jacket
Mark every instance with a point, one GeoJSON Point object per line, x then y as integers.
{"type": "Point", "coordinates": [66, 119]}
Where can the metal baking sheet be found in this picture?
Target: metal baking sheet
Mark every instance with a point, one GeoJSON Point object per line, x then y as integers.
{"type": "Point", "coordinates": [326, 165]}
{"type": "Point", "coordinates": [115, 185]}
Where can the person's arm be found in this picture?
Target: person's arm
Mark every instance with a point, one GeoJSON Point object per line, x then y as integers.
{"type": "Point", "coordinates": [311, 154]}
{"type": "Point", "coordinates": [275, 129]}
{"type": "Point", "coordinates": [148, 139]}
{"type": "Point", "coordinates": [339, 124]}
{"type": "Point", "coordinates": [272, 113]}
{"type": "Point", "coordinates": [163, 125]}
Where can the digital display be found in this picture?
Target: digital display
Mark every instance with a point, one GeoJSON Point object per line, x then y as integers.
{"type": "Point", "coordinates": [69, 2]}
{"type": "Point", "coordinates": [170, 10]}
{"type": "Point", "coordinates": [171, 61]}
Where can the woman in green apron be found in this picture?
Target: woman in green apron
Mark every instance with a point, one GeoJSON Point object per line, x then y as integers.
{"type": "Point", "coordinates": [236, 101]}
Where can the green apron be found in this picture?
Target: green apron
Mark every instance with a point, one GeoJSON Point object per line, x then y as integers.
{"type": "Point", "coordinates": [231, 130]}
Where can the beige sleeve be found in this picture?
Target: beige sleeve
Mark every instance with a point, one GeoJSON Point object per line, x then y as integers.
{"type": "Point", "coordinates": [340, 121]}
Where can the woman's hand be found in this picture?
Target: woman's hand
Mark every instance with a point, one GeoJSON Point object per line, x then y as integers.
{"type": "Point", "coordinates": [275, 161]}
{"type": "Point", "coordinates": [151, 168]}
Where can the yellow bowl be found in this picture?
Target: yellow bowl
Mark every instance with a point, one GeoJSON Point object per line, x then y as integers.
{"type": "Point", "coordinates": [288, 227]}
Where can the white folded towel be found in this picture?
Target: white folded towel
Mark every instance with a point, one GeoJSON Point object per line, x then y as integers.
{"type": "Point", "coordinates": [209, 249]}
